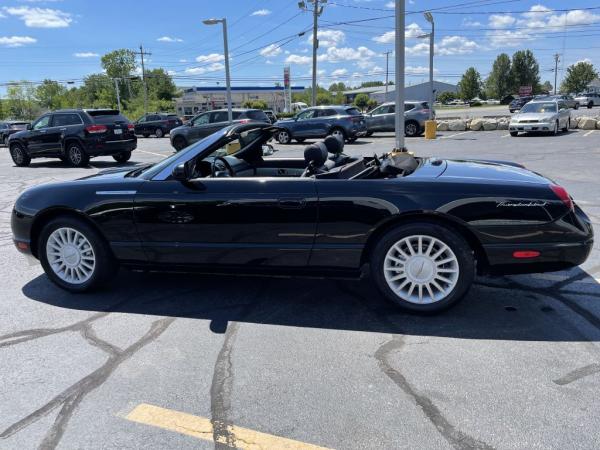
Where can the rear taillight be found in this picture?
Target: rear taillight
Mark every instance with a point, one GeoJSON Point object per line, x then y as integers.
{"type": "Point", "coordinates": [130, 126]}
{"type": "Point", "coordinates": [563, 195]}
{"type": "Point", "coordinates": [96, 129]}
{"type": "Point", "coordinates": [245, 120]}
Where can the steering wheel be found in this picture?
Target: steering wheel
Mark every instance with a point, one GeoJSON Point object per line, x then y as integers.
{"type": "Point", "coordinates": [214, 168]}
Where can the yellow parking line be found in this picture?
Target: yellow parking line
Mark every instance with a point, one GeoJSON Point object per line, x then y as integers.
{"type": "Point", "coordinates": [588, 133]}
{"type": "Point", "coordinates": [201, 428]}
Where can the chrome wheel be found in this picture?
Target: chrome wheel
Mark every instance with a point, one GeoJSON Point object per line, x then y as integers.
{"type": "Point", "coordinates": [17, 155]}
{"type": "Point", "coordinates": [421, 269]}
{"type": "Point", "coordinates": [75, 155]}
{"type": "Point", "coordinates": [70, 255]}
{"type": "Point", "coordinates": [283, 137]}
{"type": "Point", "coordinates": [411, 129]}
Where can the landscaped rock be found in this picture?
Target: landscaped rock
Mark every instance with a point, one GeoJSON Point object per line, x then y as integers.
{"type": "Point", "coordinates": [457, 125]}
{"type": "Point", "coordinates": [442, 126]}
{"type": "Point", "coordinates": [598, 124]}
{"type": "Point", "coordinates": [489, 125]}
{"type": "Point", "coordinates": [586, 123]}
{"type": "Point", "coordinates": [573, 123]}
{"type": "Point", "coordinates": [503, 124]}
{"type": "Point", "coordinates": [476, 124]}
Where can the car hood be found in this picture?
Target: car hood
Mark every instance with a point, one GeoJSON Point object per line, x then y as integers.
{"type": "Point", "coordinates": [534, 116]}
{"type": "Point", "coordinates": [490, 172]}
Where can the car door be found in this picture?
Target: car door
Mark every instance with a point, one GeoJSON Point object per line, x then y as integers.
{"type": "Point", "coordinates": [564, 113]}
{"type": "Point", "coordinates": [36, 138]}
{"type": "Point", "coordinates": [152, 123]}
{"type": "Point", "coordinates": [140, 125]}
{"type": "Point", "coordinates": [200, 127]}
{"type": "Point", "coordinates": [303, 124]}
{"type": "Point", "coordinates": [323, 122]}
{"type": "Point", "coordinates": [376, 117]}
{"type": "Point", "coordinates": [63, 124]}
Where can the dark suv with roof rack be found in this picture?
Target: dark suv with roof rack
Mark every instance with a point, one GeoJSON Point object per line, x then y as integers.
{"type": "Point", "coordinates": [75, 136]}
{"type": "Point", "coordinates": [157, 124]}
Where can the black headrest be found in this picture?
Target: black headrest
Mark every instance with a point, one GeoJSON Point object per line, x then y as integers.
{"type": "Point", "coordinates": [317, 154]}
{"type": "Point", "coordinates": [334, 144]}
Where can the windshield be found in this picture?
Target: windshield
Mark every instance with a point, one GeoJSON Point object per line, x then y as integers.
{"type": "Point", "coordinates": [539, 108]}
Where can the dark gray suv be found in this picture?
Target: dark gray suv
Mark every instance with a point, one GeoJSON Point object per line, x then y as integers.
{"type": "Point", "coordinates": [383, 118]}
{"type": "Point", "coordinates": [207, 123]}
{"type": "Point", "coordinates": [346, 122]}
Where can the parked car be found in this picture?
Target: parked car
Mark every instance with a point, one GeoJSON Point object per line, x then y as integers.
{"type": "Point", "coordinates": [75, 136]}
{"type": "Point", "coordinates": [492, 101]}
{"type": "Point", "coordinates": [345, 122]}
{"type": "Point", "coordinates": [589, 100]}
{"type": "Point", "coordinates": [549, 116]}
{"type": "Point", "coordinates": [157, 124]}
{"type": "Point", "coordinates": [271, 115]}
{"type": "Point", "coordinates": [207, 123]}
{"type": "Point", "coordinates": [383, 118]}
{"type": "Point", "coordinates": [568, 99]}
{"type": "Point", "coordinates": [10, 127]}
{"type": "Point", "coordinates": [423, 226]}
{"type": "Point", "coordinates": [517, 103]}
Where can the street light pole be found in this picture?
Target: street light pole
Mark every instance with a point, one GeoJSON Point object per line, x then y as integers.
{"type": "Point", "coordinates": [387, 65]}
{"type": "Point", "coordinates": [429, 18]}
{"type": "Point", "coordinates": [226, 55]}
{"type": "Point", "coordinates": [399, 122]}
{"type": "Point", "coordinates": [317, 11]}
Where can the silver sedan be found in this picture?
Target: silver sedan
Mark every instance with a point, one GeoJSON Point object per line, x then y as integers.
{"type": "Point", "coordinates": [546, 116]}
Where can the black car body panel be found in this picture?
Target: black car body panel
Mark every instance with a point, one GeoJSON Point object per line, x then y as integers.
{"type": "Point", "coordinates": [50, 133]}
{"type": "Point", "coordinates": [11, 127]}
{"type": "Point", "coordinates": [519, 102]}
{"type": "Point", "coordinates": [254, 223]}
{"type": "Point", "coordinates": [150, 123]}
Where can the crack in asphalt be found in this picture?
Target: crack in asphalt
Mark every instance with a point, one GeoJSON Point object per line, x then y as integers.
{"type": "Point", "coordinates": [223, 376]}
{"type": "Point", "coordinates": [456, 438]}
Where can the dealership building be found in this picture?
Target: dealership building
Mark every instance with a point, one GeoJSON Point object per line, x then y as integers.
{"type": "Point", "coordinates": [197, 99]}
{"type": "Point", "coordinates": [415, 92]}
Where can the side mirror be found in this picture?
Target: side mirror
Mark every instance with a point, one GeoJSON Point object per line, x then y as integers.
{"type": "Point", "coordinates": [29, 127]}
{"type": "Point", "coordinates": [180, 173]}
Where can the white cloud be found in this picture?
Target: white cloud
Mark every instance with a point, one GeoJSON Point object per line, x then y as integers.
{"type": "Point", "coordinates": [339, 72]}
{"type": "Point", "coordinates": [169, 39]}
{"type": "Point", "coordinates": [468, 22]}
{"type": "Point", "coordinates": [261, 12]}
{"type": "Point", "coordinates": [575, 17]}
{"type": "Point", "coordinates": [412, 31]}
{"type": "Point", "coordinates": [456, 45]}
{"type": "Point", "coordinates": [390, 5]}
{"type": "Point", "coordinates": [214, 67]}
{"type": "Point", "coordinates": [328, 38]}
{"type": "Point", "coordinates": [212, 58]}
{"type": "Point", "coordinates": [297, 59]}
{"type": "Point", "coordinates": [171, 72]}
{"type": "Point", "coordinates": [86, 55]}
{"type": "Point", "coordinates": [271, 50]}
{"type": "Point", "coordinates": [501, 20]}
{"type": "Point", "coordinates": [40, 17]}
{"type": "Point", "coordinates": [421, 48]}
{"type": "Point", "coordinates": [418, 70]}
{"type": "Point", "coordinates": [183, 60]}
{"type": "Point", "coordinates": [16, 41]}
{"type": "Point", "coordinates": [335, 54]}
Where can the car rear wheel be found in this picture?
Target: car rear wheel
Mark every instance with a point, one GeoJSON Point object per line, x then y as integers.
{"type": "Point", "coordinates": [284, 137]}
{"type": "Point", "coordinates": [411, 129]}
{"type": "Point", "coordinates": [146, 135]}
{"type": "Point", "coordinates": [74, 255]}
{"type": "Point", "coordinates": [122, 157]}
{"type": "Point", "coordinates": [369, 133]}
{"type": "Point", "coordinates": [179, 143]}
{"type": "Point", "coordinates": [19, 155]}
{"type": "Point", "coordinates": [159, 133]}
{"type": "Point", "coordinates": [514, 133]}
{"type": "Point", "coordinates": [423, 267]}
{"type": "Point", "coordinates": [76, 156]}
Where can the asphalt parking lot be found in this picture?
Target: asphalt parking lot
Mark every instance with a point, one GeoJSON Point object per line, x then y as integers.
{"type": "Point", "coordinates": [190, 361]}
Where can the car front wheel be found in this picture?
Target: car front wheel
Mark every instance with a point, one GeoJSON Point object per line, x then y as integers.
{"type": "Point", "coordinates": [179, 143]}
{"type": "Point", "coordinates": [423, 267]}
{"type": "Point", "coordinates": [159, 133]}
{"type": "Point", "coordinates": [338, 133]}
{"type": "Point", "coordinates": [19, 155]}
{"type": "Point", "coordinates": [411, 129]}
{"type": "Point", "coordinates": [590, 105]}
{"type": "Point", "coordinates": [283, 137]}
{"type": "Point", "coordinates": [74, 256]}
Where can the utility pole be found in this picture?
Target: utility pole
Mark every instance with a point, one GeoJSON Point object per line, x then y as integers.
{"type": "Point", "coordinates": [142, 53]}
{"type": "Point", "coordinates": [400, 40]}
{"type": "Point", "coordinates": [556, 60]}
{"type": "Point", "coordinates": [387, 65]}
{"type": "Point", "coordinates": [116, 80]}
{"type": "Point", "coordinates": [429, 18]}
{"type": "Point", "coordinates": [317, 11]}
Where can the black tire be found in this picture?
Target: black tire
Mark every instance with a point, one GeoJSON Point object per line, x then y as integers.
{"type": "Point", "coordinates": [284, 137]}
{"type": "Point", "coordinates": [511, 111]}
{"type": "Point", "coordinates": [576, 105]}
{"type": "Point", "coordinates": [146, 135]}
{"type": "Point", "coordinates": [458, 246]}
{"type": "Point", "coordinates": [300, 140]}
{"type": "Point", "coordinates": [105, 265]}
{"type": "Point", "coordinates": [369, 133]}
{"type": "Point", "coordinates": [412, 129]}
{"type": "Point", "coordinates": [351, 140]}
{"type": "Point", "coordinates": [76, 155]}
{"type": "Point", "coordinates": [338, 132]}
{"type": "Point", "coordinates": [566, 128]}
{"type": "Point", "coordinates": [19, 155]}
{"type": "Point", "coordinates": [4, 140]}
{"type": "Point", "coordinates": [556, 129]}
{"type": "Point", "coordinates": [514, 133]}
{"type": "Point", "coordinates": [159, 133]}
{"type": "Point", "coordinates": [590, 105]}
{"type": "Point", "coordinates": [122, 157]}
{"type": "Point", "coordinates": [179, 143]}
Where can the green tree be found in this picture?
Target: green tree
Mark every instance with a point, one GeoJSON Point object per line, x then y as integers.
{"type": "Point", "coordinates": [470, 84]}
{"type": "Point", "coordinates": [119, 63]}
{"type": "Point", "coordinates": [372, 103]}
{"type": "Point", "coordinates": [367, 84]}
{"type": "Point", "coordinates": [255, 104]}
{"type": "Point", "coordinates": [525, 71]}
{"type": "Point", "coordinates": [160, 85]}
{"type": "Point", "coordinates": [578, 77]}
{"type": "Point", "coordinates": [361, 101]}
{"type": "Point", "coordinates": [498, 84]}
{"type": "Point", "coordinates": [21, 101]}
{"type": "Point", "coordinates": [50, 94]}
{"type": "Point", "coordinates": [547, 87]}
{"type": "Point", "coordinates": [446, 97]}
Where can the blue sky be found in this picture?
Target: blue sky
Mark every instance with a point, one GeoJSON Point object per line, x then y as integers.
{"type": "Point", "coordinates": [63, 39]}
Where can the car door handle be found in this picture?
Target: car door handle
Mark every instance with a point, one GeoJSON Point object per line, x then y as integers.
{"type": "Point", "coordinates": [291, 203]}
{"type": "Point", "coordinates": [63, 129]}
{"type": "Point", "coordinates": [42, 131]}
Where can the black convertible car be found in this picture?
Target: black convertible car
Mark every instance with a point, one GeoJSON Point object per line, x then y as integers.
{"type": "Point", "coordinates": [423, 226]}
